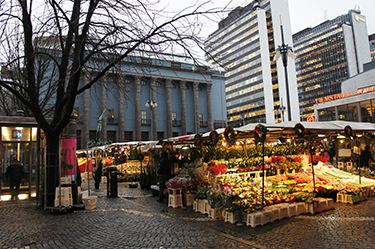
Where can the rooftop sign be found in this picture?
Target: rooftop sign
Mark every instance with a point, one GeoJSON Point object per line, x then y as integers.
{"type": "Point", "coordinates": [345, 94]}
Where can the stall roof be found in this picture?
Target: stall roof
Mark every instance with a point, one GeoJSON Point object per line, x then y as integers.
{"type": "Point", "coordinates": [329, 126]}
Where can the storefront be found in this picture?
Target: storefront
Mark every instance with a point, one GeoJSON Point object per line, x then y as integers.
{"type": "Point", "coordinates": [356, 102]}
{"type": "Point", "coordinates": [19, 139]}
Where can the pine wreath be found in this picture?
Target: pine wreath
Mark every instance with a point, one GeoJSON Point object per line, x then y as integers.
{"type": "Point", "coordinates": [300, 130]}
{"type": "Point", "coordinates": [348, 131]}
{"type": "Point", "coordinates": [214, 137]}
{"type": "Point", "coordinates": [260, 133]}
{"type": "Point", "coordinates": [140, 157]}
{"type": "Point", "coordinates": [229, 134]}
{"type": "Point", "coordinates": [198, 139]}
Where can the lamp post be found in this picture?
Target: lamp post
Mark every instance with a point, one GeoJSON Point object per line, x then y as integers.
{"type": "Point", "coordinates": [151, 103]}
{"type": "Point", "coordinates": [285, 51]}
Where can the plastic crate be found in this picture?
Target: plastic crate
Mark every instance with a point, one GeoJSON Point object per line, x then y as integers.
{"type": "Point", "coordinates": [66, 180]}
{"type": "Point", "coordinates": [216, 213]}
{"type": "Point", "coordinates": [254, 219]}
{"type": "Point", "coordinates": [90, 202]}
{"type": "Point", "coordinates": [230, 217]}
{"type": "Point", "coordinates": [175, 198]}
{"type": "Point", "coordinates": [64, 202]}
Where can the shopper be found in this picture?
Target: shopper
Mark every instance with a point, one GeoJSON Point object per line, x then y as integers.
{"type": "Point", "coordinates": [365, 156]}
{"type": "Point", "coordinates": [331, 152]}
{"type": "Point", "coordinates": [164, 174]}
{"type": "Point", "coordinates": [15, 173]}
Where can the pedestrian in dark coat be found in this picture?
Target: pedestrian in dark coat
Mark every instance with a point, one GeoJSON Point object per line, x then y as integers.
{"type": "Point", "coordinates": [164, 173]}
{"type": "Point", "coordinates": [331, 152]}
{"type": "Point", "coordinates": [365, 156]}
{"type": "Point", "coordinates": [15, 173]}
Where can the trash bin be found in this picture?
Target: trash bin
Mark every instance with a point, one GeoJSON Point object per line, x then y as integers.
{"type": "Point", "coordinates": [112, 189]}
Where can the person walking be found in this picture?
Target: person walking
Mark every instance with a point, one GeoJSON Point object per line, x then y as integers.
{"type": "Point", "coordinates": [365, 156]}
{"type": "Point", "coordinates": [164, 173]}
{"type": "Point", "coordinates": [15, 173]}
{"type": "Point", "coordinates": [331, 152]}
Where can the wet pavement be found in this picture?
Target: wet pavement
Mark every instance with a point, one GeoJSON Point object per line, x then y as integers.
{"type": "Point", "coordinates": [136, 220]}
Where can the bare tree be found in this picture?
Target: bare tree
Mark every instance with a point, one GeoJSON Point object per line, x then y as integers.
{"type": "Point", "coordinates": [49, 44]}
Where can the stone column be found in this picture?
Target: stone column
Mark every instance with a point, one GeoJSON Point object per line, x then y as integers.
{"type": "Point", "coordinates": [121, 109]}
{"type": "Point", "coordinates": [86, 114]}
{"type": "Point", "coordinates": [168, 90]}
{"type": "Point", "coordinates": [183, 107]}
{"type": "Point", "coordinates": [137, 83]}
{"type": "Point", "coordinates": [104, 107]}
{"type": "Point", "coordinates": [196, 107]}
{"type": "Point", "coordinates": [154, 125]}
{"type": "Point", "coordinates": [209, 107]}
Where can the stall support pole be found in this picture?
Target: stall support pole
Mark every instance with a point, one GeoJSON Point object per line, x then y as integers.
{"type": "Point", "coordinates": [359, 168]}
{"type": "Point", "coordinates": [88, 169]}
{"type": "Point", "coordinates": [312, 162]}
{"type": "Point", "coordinates": [263, 179]}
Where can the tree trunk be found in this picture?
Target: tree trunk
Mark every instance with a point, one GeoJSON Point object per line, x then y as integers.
{"type": "Point", "coordinates": [52, 170]}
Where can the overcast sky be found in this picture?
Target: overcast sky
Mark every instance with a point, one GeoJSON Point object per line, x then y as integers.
{"type": "Point", "coordinates": [303, 13]}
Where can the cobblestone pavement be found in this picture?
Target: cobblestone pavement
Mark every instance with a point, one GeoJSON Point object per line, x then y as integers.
{"type": "Point", "coordinates": [136, 220]}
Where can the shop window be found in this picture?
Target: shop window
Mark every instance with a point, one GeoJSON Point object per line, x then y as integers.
{"type": "Point", "coordinates": [128, 136]}
{"type": "Point", "coordinates": [145, 136]}
{"type": "Point", "coordinates": [160, 135]}
{"type": "Point", "coordinates": [366, 111]}
{"type": "Point", "coordinates": [111, 136]}
{"type": "Point", "coordinates": [352, 112]}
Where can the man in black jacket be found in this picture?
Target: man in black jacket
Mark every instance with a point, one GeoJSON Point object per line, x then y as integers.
{"type": "Point", "coordinates": [15, 173]}
{"type": "Point", "coordinates": [164, 174]}
{"type": "Point", "coordinates": [365, 156]}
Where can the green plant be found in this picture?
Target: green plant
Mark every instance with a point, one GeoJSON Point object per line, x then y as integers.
{"type": "Point", "coordinates": [133, 154]}
{"type": "Point", "coordinates": [66, 165]}
{"type": "Point", "coordinates": [216, 198]}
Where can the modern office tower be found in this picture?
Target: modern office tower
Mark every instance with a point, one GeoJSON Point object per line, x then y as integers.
{"type": "Point", "coordinates": [327, 55]}
{"type": "Point", "coordinates": [371, 39]}
{"type": "Point", "coordinates": [244, 45]}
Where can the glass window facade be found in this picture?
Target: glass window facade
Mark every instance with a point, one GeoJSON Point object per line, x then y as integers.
{"type": "Point", "coordinates": [237, 46]}
{"type": "Point", "coordinates": [322, 63]}
{"type": "Point", "coordinates": [349, 112]}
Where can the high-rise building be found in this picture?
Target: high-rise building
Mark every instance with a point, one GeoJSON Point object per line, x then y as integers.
{"type": "Point", "coordinates": [245, 46]}
{"type": "Point", "coordinates": [328, 54]}
{"type": "Point", "coordinates": [371, 39]}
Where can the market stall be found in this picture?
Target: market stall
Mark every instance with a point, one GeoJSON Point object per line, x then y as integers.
{"type": "Point", "coordinates": [259, 168]}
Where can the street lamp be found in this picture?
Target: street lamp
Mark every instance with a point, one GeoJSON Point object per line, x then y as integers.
{"type": "Point", "coordinates": [285, 51]}
{"type": "Point", "coordinates": [151, 103]}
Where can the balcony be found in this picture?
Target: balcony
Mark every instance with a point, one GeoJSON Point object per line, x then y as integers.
{"type": "Point", "coordinates": [176, 123]}
{"type": "Point", "coordinates": [146, 122]}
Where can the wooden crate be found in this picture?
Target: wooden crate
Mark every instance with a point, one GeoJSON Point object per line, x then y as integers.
{"type": "Point", "coordinates": [90, 202]}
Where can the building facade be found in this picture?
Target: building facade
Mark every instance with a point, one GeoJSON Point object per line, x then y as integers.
{"type": "Point", "coordinates": [148, 98]}
{"type": "Point", "coordinates": [327, 55]}
{"type": "Point", "coordinates": [356, 102]}
{"type": "Point", "coordinates": [245, 46]}
{"type": "Point", "coordinates": [371, 39]}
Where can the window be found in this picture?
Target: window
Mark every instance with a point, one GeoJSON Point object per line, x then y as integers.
{"type": "Point", "coordinates": [111, 136]}
{"type": "Point", "coordinates": [143, 83]}
{"type": "Point", "coordinates": [111, 115]}
{"type": "Point", "coordinates": [145, 136]}
{"type": "Point", "coordinates": [144, 117]}
{"type": "Point", "coordinates": [173, 85]}
{"type": "Point", "coordinates": [160, 135]}
{"type": "Point", "coordinates": [200, 118]}
{"type": "Point", "coordinates": [175, 134]}
{"type": "Point", "coordinates": [127, 81]}
{"type": "Point", "coordinates": [158, 84]}
{"type": "Point", "coordinates": [92, 135]}
{"type": "Point", "coordinates": [199, 88]}
{"type": "Point", "coordinates": [76, 112]}
{"type": "Point", "coordinates": [174, 117]}
{"type": "Point", "coordinates": [128, 136]}
{"type": "Point", "coordinates": [187, 87]}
